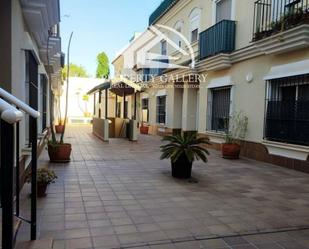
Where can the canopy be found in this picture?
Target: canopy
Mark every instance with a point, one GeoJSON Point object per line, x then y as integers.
{"type": "Point", "coordinates": [123, 87]}
{"type": "Point", "coordinates": [100, 87]}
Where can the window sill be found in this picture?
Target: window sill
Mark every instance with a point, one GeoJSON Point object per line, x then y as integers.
{"type": "Point", "coordinates": [215, 137]}
{"type": "Point", "coordinates": [293, 151]}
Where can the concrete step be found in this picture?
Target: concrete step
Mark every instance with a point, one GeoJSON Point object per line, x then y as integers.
{"type": "Point", "coordinates": [37, 244]}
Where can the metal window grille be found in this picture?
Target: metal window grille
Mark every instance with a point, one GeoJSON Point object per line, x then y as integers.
{"type": "Point", "coordinates": [287, 110]}
{"type": "Point", "coordinates": [161, 109]}
{"type": "Point", "coordinates": [278, 15]}
{"type": "Point", "coordinates": [220, 108]}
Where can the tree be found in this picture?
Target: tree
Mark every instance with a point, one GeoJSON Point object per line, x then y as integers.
{"type": "Point", "coordinates": [75, 71]}
{"type": "Point", "coordinates": [103, 66]}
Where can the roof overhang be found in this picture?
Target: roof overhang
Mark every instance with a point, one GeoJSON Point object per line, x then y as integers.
{"type": "Point", "coordinates": [122, 86]}
{"type": "Point", "coordinates": [103, 86]}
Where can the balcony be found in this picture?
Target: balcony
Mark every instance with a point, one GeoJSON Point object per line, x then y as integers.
{"type": "Point", "coordinates": [161, 10]}
{"type": "Point", "coordinates": [219, 38]}
{"type": "Point", "coordinates": [272, 17]}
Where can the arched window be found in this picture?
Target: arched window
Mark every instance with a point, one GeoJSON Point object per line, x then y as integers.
{"type": "Point", "coordinates": [194, 18]}
{"type": "Point", "coordinates": [179, 28]}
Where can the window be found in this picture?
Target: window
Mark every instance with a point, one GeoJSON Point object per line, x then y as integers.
{"type": "Point", "coordinates": [194, 24]}
{"type": "Point", "coordinates": [118, 114]}
{"type": "Point", "coordinates": [223, 10]}
{"type": "Point", "coordinates": [219, 109]}
{"type": "Point", "coordinates": [163, 47]}
{"type": "Point", "coordinates": [126, 109]}
{"type": "Point", "coordinates": [178, 28]}
{"type": "Point", "coordinates": [145, 110]}
{"type": "Point", "coordinates": [194, 35]}
{"type": "Point", "coordinates": [287, 112]}
{"type": "Point", "coordinates": [161, 109]}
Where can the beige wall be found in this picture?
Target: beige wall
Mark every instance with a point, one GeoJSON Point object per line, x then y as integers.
{"type": "Point", "coordinates": [248, 97]}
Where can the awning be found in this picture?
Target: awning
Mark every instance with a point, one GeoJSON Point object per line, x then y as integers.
{"type": "Point", "coordinates": [122, 86]}
{"type": "Point", "coordinates": [100, 87]}
{"type": "Point", "coordinates": [287, 70]}
{"type": "Point", "coordinates": [220, 82]}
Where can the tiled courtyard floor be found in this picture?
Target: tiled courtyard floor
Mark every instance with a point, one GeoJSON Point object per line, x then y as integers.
{"type": "Point", "coordinates": [120, 195]}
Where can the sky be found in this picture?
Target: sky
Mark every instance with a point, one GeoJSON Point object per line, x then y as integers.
{"type": "Point", "coordinates": [101, 26]}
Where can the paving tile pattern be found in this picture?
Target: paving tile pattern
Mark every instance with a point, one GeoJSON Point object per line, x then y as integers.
{"type": "Point", "coordinates": [120, 195]}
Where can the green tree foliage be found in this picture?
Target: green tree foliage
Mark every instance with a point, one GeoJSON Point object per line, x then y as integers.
{"type": "Point", "coordinates": [75, 71]}
{"type": "Point", "coordinates": [103, 66]}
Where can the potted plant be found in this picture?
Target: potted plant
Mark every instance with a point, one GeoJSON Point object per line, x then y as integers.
{"type": "Point", "coordinates": [58, 151]}
{"type": "Point", "coordinates": [44, 178]}
{"type": "Point", "coordinates": [235, 132]}
{"type": "Point", "coordinates": [144, 129]}
{"type": "Point", "coordinates": [59, 127]}
{"type": "Point", "coordinates": [183, 150]}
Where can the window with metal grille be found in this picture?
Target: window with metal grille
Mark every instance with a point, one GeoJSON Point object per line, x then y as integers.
{"type": "Point", "coordinates": [287, 110]}
{"type": "Point", "coordinates": [219, 109]}
{"type": "Point", "coordinates": [161, 109]}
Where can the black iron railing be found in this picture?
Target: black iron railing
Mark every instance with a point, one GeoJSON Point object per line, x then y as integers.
{"type": "Point", "coordinates": [287, 112]}
{"type": "Point", "coordinates": [219, 38]}
{"type": "Point", "coordinates": [161, 10]}
{"type": "Point", "coordinates": [273, 16]}
{"type": "Point", "coordinates": [10, 178]}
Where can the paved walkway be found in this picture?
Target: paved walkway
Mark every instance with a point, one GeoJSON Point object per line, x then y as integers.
{"type": "Point", "coordinates": [120, 195]}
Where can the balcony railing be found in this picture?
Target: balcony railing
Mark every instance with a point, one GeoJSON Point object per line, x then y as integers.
{"type": "Point", "coordinates": [273, 16]}
{"type": "Point", "coordinates": [161, 10]}
{"type": "Point", "coordinates": [219, 38]}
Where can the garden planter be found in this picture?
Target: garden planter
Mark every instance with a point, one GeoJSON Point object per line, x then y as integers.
{"type": "Point", "coordinates": [41, 189]}
{"type": "Point", "coordinates": [59, 129]}
{"type": "Point", "coordinates": [60, 153]}
{"type": "Point", "coordinates": [144, 130]}
{"type": "Point", "coordinates": [182, 168]}
{"type": "Point", "coordinates": [231, 151]}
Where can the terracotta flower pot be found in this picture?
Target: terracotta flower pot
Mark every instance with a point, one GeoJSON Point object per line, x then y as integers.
{"type": "Point", "coordinates": [59, 129]}
{"type": "Point", "coordinates": [230, 151]}
{"type": "Point", "coordinates": [144, 130]}
{"type": "Point", "coordinates": [60, 153]}
{"type": "Point", "coordinates": [182, 168]}
{"type": "Point", "coordinates": [41, 189]}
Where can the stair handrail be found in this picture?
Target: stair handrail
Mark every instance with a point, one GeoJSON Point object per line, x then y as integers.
{"type": "Point", "coordinates": [18, 103]}
{"type": "Point", "coordinates": [9, 113]}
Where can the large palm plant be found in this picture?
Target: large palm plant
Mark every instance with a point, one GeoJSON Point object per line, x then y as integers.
{"type": "Point", "coordinates": [187, 145]}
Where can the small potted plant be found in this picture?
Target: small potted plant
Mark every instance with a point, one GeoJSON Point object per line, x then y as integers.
{"type": "Point", "coordinates": [44, 178]}
{"type": "Point", "coordinates": [144, 129]}
{"type": "Point", "coordinates": [236, 131]}
{"type": "Point", "coordinates": [59, 127]}
{"type": "Point", "coordinates": [183, 150]}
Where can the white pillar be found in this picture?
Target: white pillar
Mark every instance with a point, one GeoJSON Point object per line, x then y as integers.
{"type": "Point", "coordinates": [189, 108]}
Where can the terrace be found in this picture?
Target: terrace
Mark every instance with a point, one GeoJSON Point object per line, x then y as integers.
{"type": "Point", "coordinates": [272, 17]}
{"type": "Point", "coordinates": [120, 195]}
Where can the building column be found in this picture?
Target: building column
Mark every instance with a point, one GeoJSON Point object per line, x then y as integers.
{"type": "Point", "coordinates": [6, 44]}
{"type": "Point", "coordinates": [189, 108]}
